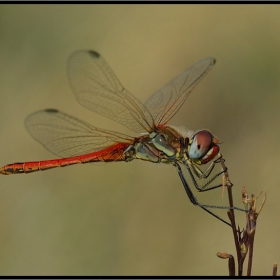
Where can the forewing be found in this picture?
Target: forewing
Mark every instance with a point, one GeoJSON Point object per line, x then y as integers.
{"type": "Point", "coordinates": [67, 136]}
{"type": "Point", "coordinates": [98, 89]}
{"type": "Point", "coordinates": [165, 102]}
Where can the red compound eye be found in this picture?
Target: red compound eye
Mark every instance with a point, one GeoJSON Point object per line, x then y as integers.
{"type": "Point", "coordinates": [200, 145]}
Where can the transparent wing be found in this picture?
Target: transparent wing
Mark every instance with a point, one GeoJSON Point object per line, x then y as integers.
{"type": "Point", "coordinates": [98, 89]}
{"type": "Point", "coordinates": [68, 136]}
{"type": "Point", "coordinates": [165, 102]}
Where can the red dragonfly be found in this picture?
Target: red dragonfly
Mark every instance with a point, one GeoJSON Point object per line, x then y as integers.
{"type": "Point", "coordinates": [97, 88]}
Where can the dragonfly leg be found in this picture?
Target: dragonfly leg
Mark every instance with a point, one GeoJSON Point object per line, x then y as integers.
{"type": "Point", "coordinates": [203, 175]}
{"type": "Point", "coordinates": [195, 202]}
{"type": "Point", "coordinates": [205, 187]}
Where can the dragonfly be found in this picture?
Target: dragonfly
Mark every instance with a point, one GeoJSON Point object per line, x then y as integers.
{"type": "Point", "coordinates": [98, 89]}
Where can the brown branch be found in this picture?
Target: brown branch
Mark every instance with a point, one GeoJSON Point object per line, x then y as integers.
{"type": "Point", "coordinates": [251, 217]}
{"type": "Point", "coordinates": [274, 271]}
{"type": "Point", "coordinates": [244, 240]}
{"type": "Point", "coordinates": [231, 215]}
{"type": "Point", "coordinates": [231, 263]}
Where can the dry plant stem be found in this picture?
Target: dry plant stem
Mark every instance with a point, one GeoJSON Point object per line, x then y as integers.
{"type": "Point", "coordinates": [251, 216]}
{"type": "Point", "coordinates": [240, 257]}
{"type": "Point", "coordinates": [250, 258]}
{"type": "Point", "coordinates": [251, 227]}
{"type": "Point", "coordinates": [231, 263]}
{"type": "Point", "coordinates": [232, 217]}
{"type": "Point", "coordinates": [274, 271]}
{"type": "Point", "coordinates": [231, 266]}
{"type": "Point", "coordinates": [244, 240]}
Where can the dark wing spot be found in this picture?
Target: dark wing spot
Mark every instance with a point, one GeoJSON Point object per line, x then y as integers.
{"type": "Point", "coordinates": [94, 53]}
{"type": "Point", "coordinates": [51, 111]}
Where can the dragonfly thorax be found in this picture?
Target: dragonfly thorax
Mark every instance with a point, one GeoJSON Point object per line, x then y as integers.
{"type": "Point", "coordinates": [168, 145]}
{"type": "Point", "coordinates": [165, 146]}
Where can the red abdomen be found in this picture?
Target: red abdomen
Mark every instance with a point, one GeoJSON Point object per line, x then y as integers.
{"type": "Point", "coordinates": [113, 153]}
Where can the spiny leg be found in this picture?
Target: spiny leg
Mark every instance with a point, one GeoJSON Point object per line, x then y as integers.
{"type": "Point", "coordinates": [199, 173]}
{"type": "Point", "coordinates": [203, 189]}
{"type": "Point", "coordinates": [205, 186]}
{"type": "Point", "coordinates": [203, 175]}
{"type": "Point", "coordinates": [193, 198]}
{"type": "Point", "coordinates": [194, 201]}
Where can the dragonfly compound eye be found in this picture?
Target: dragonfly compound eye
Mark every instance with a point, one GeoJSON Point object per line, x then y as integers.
{"type": "Point", "coordinates": [200, 144]}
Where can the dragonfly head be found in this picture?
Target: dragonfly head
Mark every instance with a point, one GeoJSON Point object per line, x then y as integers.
{"type": "Point", "coordinates": [203, 147]}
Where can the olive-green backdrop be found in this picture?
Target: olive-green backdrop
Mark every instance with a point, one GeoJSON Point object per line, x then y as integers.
{"type": "Point", "coordinates": [135, 218]}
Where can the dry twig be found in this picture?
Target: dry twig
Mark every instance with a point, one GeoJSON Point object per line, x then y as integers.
{"type": "Point", "coordinates": [244, 240]}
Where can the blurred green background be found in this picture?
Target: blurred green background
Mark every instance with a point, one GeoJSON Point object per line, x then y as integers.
{"type": "Point", "coordinates": [135, 218]}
